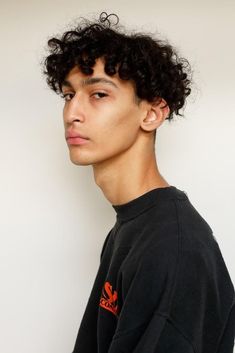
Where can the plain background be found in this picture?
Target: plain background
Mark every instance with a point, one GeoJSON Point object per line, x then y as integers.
{"type": "Point", "coordinates": [54, 218]}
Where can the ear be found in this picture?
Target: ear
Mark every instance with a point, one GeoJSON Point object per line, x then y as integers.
{"type": "Point", "coordinates": [155, 115]}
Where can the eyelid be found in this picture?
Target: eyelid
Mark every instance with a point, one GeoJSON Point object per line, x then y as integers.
{"type": "Point", "coordinates": [64, 95]}
{"type": "Point", "coordinates": [99, 92]}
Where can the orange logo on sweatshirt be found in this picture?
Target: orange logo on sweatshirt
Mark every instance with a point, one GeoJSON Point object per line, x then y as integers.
{"type": "Point", "coordinates": [108, 298]}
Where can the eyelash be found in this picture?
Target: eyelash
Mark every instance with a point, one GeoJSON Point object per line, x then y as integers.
{"type": "Point", "coordinates": [70, 94]}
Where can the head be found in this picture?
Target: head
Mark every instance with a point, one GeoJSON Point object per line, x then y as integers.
{"type": "Point", "coordinates": [117, 87]}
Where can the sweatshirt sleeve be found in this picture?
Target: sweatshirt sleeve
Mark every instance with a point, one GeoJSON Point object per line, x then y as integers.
{"type": "Point", "coordinates": [144, 296]}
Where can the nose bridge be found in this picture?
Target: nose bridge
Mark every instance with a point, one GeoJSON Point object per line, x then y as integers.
{"type": "Point", "coordinates": [74, 110]}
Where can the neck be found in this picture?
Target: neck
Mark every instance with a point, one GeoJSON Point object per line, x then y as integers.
{"type": "Point", "coordinates": [129, 175]}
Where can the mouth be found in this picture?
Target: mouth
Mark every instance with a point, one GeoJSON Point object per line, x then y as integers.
{"type": "Point", "coordinates": [74, 137]}
{"type": "Point", "coordinates": [77, 140]}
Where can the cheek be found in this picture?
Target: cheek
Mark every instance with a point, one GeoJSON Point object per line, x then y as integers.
{"type": "Point", "coordinates": [117, 131]}
{"type": "Point", "coordinates": [117, 122]}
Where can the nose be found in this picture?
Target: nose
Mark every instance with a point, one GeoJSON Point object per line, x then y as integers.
{"type": "Point", "coordinates": [74, 111]}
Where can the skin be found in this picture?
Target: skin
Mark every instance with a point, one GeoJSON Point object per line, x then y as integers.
{"type": "Point", "coordinates": [121, 133]}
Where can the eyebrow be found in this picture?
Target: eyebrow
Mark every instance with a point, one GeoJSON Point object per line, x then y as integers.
{"type": "Point", "coordinates": [90, 81]}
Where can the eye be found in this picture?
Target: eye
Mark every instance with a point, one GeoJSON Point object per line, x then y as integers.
{"type": "Point", "coordinates": [65, 96]}
{"type": "Point", "coordinates": [99, 95]}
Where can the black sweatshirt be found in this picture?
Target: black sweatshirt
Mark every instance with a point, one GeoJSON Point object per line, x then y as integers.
{"type": "Point", "coordinates": [162, 285]}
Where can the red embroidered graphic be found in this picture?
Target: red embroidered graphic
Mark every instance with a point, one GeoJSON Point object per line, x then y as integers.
{"type": "Point", "coordinates": [108, 298]}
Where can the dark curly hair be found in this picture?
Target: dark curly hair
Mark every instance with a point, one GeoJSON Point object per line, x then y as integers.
{"type": "Point", "coordinates": [151, 64]}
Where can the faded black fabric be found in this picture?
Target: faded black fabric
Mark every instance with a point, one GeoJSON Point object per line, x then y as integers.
{"type": "Point", "coordinates": [162, 285]}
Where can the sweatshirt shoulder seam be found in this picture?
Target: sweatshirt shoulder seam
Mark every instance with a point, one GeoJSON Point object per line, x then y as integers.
{"type": "Point", "coordinates": [174, 324]}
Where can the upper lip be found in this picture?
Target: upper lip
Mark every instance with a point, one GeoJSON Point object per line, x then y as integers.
{"type": "Point", "coordinates": [70, 134]}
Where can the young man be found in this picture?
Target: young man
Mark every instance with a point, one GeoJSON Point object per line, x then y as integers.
{"type": "Point", "coordinates": [162, 285]}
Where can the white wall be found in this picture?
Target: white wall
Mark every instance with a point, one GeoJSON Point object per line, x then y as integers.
{"type": "Point", "coordinates": [53, 216]}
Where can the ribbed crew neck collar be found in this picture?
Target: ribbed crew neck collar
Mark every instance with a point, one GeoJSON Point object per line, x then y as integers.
{"type": "Point", "coordinates": [151, 198]}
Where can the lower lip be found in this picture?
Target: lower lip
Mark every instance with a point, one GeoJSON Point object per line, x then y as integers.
{"type": "Point", "coordinates": [76, 141]}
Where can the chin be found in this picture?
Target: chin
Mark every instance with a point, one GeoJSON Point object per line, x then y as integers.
{"type": "Point", "coordinates": [78, 158]}
{"type": "Point", "coordinates": [85, 158]}
{"type": "Point", "coordinates": [78, 161]}
{"type": "Point", "coordinates": [82, 159]}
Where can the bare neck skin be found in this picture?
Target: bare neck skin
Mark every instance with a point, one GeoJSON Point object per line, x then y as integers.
{"type": "Point", "coordinates": [127, 177]}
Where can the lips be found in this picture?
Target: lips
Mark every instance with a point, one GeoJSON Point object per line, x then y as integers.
{"type": "Point", "coordinates": [73, 134]}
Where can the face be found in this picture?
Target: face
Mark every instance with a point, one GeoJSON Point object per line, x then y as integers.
{"type": "Point", "coordinates": [104, 110]}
